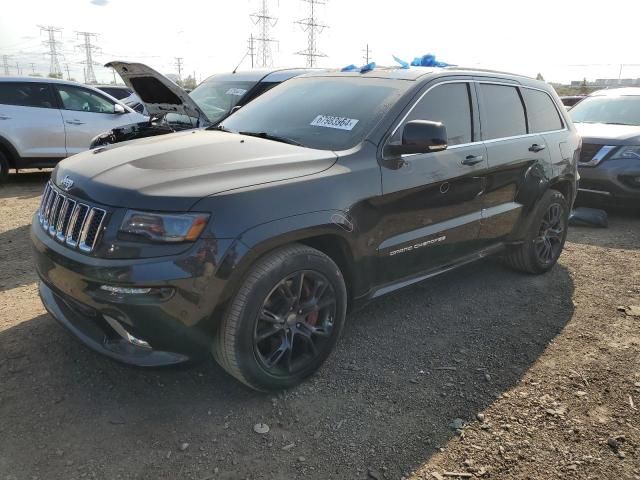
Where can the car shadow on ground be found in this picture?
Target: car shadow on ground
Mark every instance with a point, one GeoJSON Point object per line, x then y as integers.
{"type": "Point", "coordinates": [406, 367]}
{"type": "Point", "coordinates": [24, 185]}
{"type": "Point", "coordinates": [15, 258]}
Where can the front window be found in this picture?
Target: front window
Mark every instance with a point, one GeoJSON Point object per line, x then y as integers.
{"type": "Point", "coordinates": [622, 110]}
{"type": "Point", "coordinates": [327, 113]}
{"type": "Point", "coordinates": [81, 100]}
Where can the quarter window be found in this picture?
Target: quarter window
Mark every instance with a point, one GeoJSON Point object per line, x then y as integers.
{"type": "Point", "coordinates": [541, 111]}
{"type": "Point", "coordinates": [449, 104]}
{"type": "Point", "coordinates": [503, 113]}
{"type": "Point", "coordinates": [81, 100]}
{"type": "Point", "coordinates": [26, 94]}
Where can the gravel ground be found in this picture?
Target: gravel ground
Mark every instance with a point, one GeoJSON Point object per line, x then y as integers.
{"type": "Point", "coordinates": [481, 372]}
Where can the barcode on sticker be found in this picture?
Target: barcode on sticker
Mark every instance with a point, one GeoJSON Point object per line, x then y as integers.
{"type": "Point", "coordinates": [341, 123]}
{"type": "Point", "coordinates": [236, 91]}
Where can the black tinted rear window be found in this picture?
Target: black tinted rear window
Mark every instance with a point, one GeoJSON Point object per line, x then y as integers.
{"type": "Point", "coordinates": [503, 113]}
{"type": "Point", "coordinates": [541, 111]}
{"type": "Point", "coordinates": [26, 94]}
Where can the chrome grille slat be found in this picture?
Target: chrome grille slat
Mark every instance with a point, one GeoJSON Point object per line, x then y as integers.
{"type": "Point", "coordinates": [78, 225]}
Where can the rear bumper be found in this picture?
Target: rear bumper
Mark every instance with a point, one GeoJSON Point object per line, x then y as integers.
{"type": "Point", "coordinates": [616, 181]}
{"type": "Point", "coordinates": [171, 323]}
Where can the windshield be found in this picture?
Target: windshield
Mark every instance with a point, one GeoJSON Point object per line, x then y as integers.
{"type": "Point", "coordinates": [623, 110]}
{"type": "Point", "coordinates": [328, 113]}
{"type": "Point", "coordinates": [216, 98]}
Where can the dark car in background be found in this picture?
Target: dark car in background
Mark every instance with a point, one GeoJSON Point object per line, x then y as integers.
{"type": "Point", "coordinates": [609, 123]}
{"type": "Point", "coordinates": [119, 92]}
{"type": "Point", "coordinates": [251, 239]}
{"type": "Point", "coordinates": [171, 108]}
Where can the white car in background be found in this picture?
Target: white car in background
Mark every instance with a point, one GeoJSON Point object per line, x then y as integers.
{"type": "Point", "coordinates": [43, 120]}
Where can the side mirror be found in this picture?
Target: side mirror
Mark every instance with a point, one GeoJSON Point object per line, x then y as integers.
{"type": "Point", "coordinates": [119, 109]}
{"type": "Point", "coordinates": [235, 109]}
{"type": "Point", "coordinates": [420, 136]}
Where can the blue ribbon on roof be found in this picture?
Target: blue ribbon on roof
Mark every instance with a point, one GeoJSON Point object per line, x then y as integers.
{"type": "Point", "coordinates": [402, 63]}
{"type": "Point", "coordinates": [363, 69]}
{"type": "Point", "coordinates": [428, 60]}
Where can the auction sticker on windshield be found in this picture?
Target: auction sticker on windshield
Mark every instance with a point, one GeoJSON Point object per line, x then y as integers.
{"type": "Point", "coordinates": [341, 123]}
{"type": "Point", "coordinates": [236, 91]}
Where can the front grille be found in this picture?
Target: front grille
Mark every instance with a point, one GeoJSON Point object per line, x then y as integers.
{"type": "Point", "coordinates": [589, 151]}
{"type": "Point", "coordinates": [76, 224]}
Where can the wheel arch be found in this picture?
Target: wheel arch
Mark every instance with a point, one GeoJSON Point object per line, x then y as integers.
{"type": "Point", "coordinates": [7, 148]}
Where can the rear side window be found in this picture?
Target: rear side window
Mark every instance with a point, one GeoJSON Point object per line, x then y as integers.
{"type": "Point", "coordinates": [26, 94]}
{"type": "Point", "coordinates": [541, 111]}
{"type": "Point", "coordinates": [503, 113]}
{"type": "Point", "coordinates": [449, 104]}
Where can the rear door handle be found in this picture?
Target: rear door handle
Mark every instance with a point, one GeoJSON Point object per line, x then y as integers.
{"type": "Point", "coordinates": [537, 148]}
{"type": "Point", "coordinates": [472, 159]}
{"type": "Point", "coordinates": [75, 122]}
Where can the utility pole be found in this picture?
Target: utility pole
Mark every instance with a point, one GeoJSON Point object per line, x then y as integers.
{"type": "Point", "coordinates": [179, 66]}
{"type": "Point", "coordinates": [251, 51]}
{"type": "Point", "coordinates": [115, 81]}
{"type": "Point", "coordinates": [88, 47]}
{"type": "Point", "coordinates": [18, 71]}
{"type": "Point", "coordinates": [367, 54]}
{"type": "Point", "coordinates": [265, 22]}
{"type": "Point", "coordinates": [5, 64]}
{"type": "Point", "coordinates": [66, 67]}
{"type": "Point", "coordinates": [53, 44]}
{"type": "Point", "coordinates": [33, 68]}
{"type": "Point", "coordinates": [313, 29]}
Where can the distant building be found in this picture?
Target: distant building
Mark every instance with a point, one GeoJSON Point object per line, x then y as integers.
{"type": "Point", "coordinates": [608, 83]}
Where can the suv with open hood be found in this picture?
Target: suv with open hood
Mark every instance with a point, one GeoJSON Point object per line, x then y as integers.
{"type": "Point", "coordinates": [172, 109]}
{"type": "Point", "coordinates": [252, 239]}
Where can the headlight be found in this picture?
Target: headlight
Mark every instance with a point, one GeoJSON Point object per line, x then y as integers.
{"type": "Point", "coordinates": [631, 151]}
{"type": "Point", "coordinates": [164, 227]}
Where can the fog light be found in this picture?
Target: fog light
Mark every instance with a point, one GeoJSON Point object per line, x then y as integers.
{"type": "Point", "coordinates": [124, 290]}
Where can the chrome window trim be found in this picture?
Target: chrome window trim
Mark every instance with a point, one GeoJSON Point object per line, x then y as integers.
{"type": "Point", "coordinates": [492, 140]}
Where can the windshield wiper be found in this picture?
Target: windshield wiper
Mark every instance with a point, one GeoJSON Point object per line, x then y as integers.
{"type": "Point", "coordinates": [219, 127]}
{"type": "Point", "coordinates": [275, 138]}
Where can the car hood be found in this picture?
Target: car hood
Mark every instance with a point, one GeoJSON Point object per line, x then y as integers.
{"type": "Point", "coordinates": [608, 134]}
{"type": "Point", "coordinates": [171, 172]}
{"type": "Point", "coordinates": [158, 94]}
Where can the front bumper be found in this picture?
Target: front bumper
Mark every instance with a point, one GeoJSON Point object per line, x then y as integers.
{"type": "Point", "coordinates": [613, 181]}
{"type": "Point", "coordinates": [172, 323]}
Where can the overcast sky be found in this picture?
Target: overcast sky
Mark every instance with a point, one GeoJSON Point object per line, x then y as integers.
{"type": "Point", "coordinates": [562, 39]}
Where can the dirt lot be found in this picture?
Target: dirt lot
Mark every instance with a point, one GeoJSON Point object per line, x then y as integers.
{"type": "Point", "coordinates": [540, 375]}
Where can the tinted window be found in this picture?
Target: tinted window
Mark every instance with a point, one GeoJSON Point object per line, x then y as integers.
{"type": "Point", "coordinates": [328, 113]}
{"type": "Point", "coordinates": [81, 100]}
{"type": "Point", "coordinates": [541, 111]}
{"type": "Point", "coordinates": [622, 110]}
{"type": "Point", "coordinates": [503, 114]}
{"type": "Point", "coordinates": [448, 104]}
{"type": "Point", "coordinates": [26, 94]}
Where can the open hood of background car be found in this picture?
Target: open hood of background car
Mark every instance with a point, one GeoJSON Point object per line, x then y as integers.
{"type": "Point", "coordinates": [159, 94]}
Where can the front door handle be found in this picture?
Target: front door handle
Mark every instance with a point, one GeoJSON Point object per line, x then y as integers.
{"type": "Point", "coordinates": [75, 122]}
{"type": "Point", "coordinates": [472, 159]}
{"type": "Point", "coordinates": [536, 148]}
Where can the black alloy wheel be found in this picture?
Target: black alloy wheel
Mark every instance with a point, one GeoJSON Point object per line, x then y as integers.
{"type": "Point", "coordinates": [295, 321]}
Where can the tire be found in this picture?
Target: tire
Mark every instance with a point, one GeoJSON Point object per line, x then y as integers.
{"type": "Point", "coordinates": [293, 297]}
{"type": "Point", "coordinates": [4, 168]}
{"type": "Point", "coordinates": [543, 243]}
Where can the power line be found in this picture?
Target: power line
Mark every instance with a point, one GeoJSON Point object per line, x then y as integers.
{"type": "Point", "coordinates": [265, 22]}
{"type": "Point", "coordinates": [251, 52]}
{"type": "Point", "coordinates": [88, 47]}
{"type": "Point", "coordinates": [367, 54]}
{"type": "Point", "coordinates": [179, 66]}
{"type": "Point", "coordinates": [5, 64]}
{"type": "Point", "coordinates": [53, 44]}
{"type": "Point", "coordinates": [313, 29]}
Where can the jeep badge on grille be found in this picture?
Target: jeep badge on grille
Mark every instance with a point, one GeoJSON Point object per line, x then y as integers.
{"type": "Point", "coordinates": [67, 183]}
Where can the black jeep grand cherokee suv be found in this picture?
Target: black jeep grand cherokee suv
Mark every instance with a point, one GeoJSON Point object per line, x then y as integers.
{"type": "Point", "coordinates": [251, 240]}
